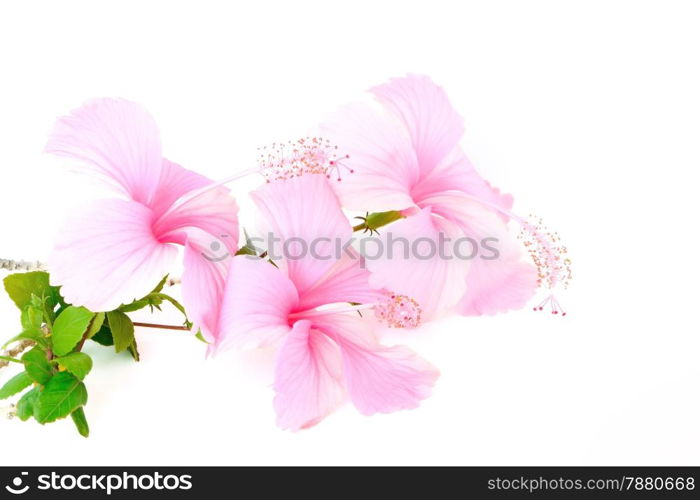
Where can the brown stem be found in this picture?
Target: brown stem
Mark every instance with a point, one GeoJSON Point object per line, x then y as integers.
{"type": "Point", "coordinates": [14, 352]}
{"type": "Point", "coordinates": [21, 265]}
{"type": "Point", "coordinates": [163, 327]}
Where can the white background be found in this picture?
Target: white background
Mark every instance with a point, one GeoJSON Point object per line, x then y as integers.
{"type": "Point", "coordinates": [588, 112]}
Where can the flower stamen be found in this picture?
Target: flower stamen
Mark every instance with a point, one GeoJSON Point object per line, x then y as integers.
{"type": "Point", "coordinates": [393, 310]}
{"type": "Point", "coordinates": [308, 155]}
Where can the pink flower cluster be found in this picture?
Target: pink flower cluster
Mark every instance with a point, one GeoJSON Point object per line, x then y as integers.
{"type": "Point", "coordinates": [400, 155]}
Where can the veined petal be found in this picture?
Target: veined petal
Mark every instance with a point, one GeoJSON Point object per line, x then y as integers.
{"type": "Point", "coordinates": [303, 213]}
{"type": "Point", "coordinates": [308, 378]}
{"type": "Point", "coordinates": [434, 126]}
{"type": "Point", "coordinates": [456, 173]}
{"type": "Point", "coordinates": [380, 154]}
{"type": "Point", "coordinates": [379, 379]}
{"type": "Point", "coordinates": [175, 181]}
{"type": "Point", "coordinates": [203, 282]}
{"type": "Point", "coordinates": [345, 281]}
{"type": "Point", "coordinates": [256, 304]}
{"type": "Point", "coordinates": [497, 287]}
{"type": "Point", "coordinates": [106, 255]}
{"type": "Point", "coordinates": [499, 280]}
{"type": "Point", "coordinates": [213, 212]}
{"type": "Point", "coordinates": [118, 140]}
{"type": "Point", "coordinates": [412, 264]}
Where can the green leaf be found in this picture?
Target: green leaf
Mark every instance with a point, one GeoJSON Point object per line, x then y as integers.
{"type": "Point", "coordinates": [159, 287]}
{"type": "Point", "coordinates": [177, 305]}
{"type": "Point", "coordinates": [95, 325]}
{"type": "Point", "coordinates": [104, 336]}
{"type": "Point", "coordinates": [122, 329]}
{"type": "Point", "coordinates": [21, 286]}
{"type": "Point", "coordinates": [32, 317]}
{"type": "Point", "coordinates": [37, 365]}
{"type": "Point", "coordinates": [77, 363]}
{"type": "Point", "coordinates": [80, 422]}
{"type": "Point", "coordinates": [25, 405]}
{"type": "Point", "coordinates": [69, 328]}
{"type": "Point", "coordinates": [146, 301]}
{"type": "Point", "coordinates": [32, 334]}
{"type": "Point", "coordinates": [16, 384]}
{"type": "Point", "coordinates": [134, 351]}
{"type": "Point", "coordinates": [134, 306]}
{"type": "Point", "coordinates": [61, 396]}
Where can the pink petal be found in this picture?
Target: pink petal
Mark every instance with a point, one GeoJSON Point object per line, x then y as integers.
{"type": "Point", "coordinates": [434, 126]}
{"type": "Point", "coordinates": [203, 282]}
{"type": "Point", "coordinates": [496, 287]}
{"type": "Point", "coordinates": [300, 212]}
{"type": "Point", "coordinates": [175, 181]}
{"type": "Point", "coordinates": [118, 139]}
{"type": "Point", "coordinates": [106, 255]}
{"type": "Point", "coordinates": [378, 378]}
{"type": "Point", "coordinates": [346, 281]}
{"type": "Point", "coordinates": [308, 378]}
{"type": "Point", "coordinates": [256, 304]}
{"type": "Point", "coordinates": [435, 283]}
{"type": "Point", "coordinates": [381, 156]}
{"type": "Point", "coordinates": [493, 285]}
{"type": "Point", "coordinates": [213, 212]}
{"type": "Point", "coordinates": [456, 173]}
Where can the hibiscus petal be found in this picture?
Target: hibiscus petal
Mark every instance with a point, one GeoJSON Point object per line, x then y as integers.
{"type": "Point", "coordinates": [433, 124]}
{"type": "Point", "coordinates": [203, 281]}
{"type": "Point", "coordinates": [346, 281]}
{"type": "Point", "coordinates": [497, 287]}
{"type": "Point", "coordinates": [410, 262]}
{"type": "Point", "coordinates": [380, 154]}
{"type": "Point", "coordinates": [308, 378]}
{"type": "Point", "coordinates": [175, 181]}
{"type": "Point", "coordinates": [456, 173]}
{"type": "Point", "coordinates": [118, 139]}
{"type": "Point", "coordinates": [495, 283]}
{"type": "Point", "coordinates": [303, 212]}
{"type": "Point", "coordinates": [213, 212]}
{"type": "Point", "coordinates": [256, 304]}
{"type": "Point", "coordinates": [378, 378]}
{"type": "Point", "coordinates": [106, 255]}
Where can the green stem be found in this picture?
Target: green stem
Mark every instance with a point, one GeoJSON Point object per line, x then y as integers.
{"type": "Point", "coordinates": [13, 360]}
{"type": "Point", "coordinates": [163, 327]}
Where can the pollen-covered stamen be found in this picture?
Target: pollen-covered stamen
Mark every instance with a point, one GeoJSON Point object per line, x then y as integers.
{"type": "Point", "coordinates": [550, 258]}
{"type": "Point", "coordinates": [554, 306]}
{"type": "Point", "coordinates": [308, 155]}
{"type": "Point", "coordinates": [547, 253]}
{"type": "Point", "coordinates": [398, 311]}
{"type": "Point", "coordinates": [395, 311]}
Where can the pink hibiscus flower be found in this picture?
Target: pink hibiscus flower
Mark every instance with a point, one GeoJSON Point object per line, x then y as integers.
{"type": "Point", "coordinates": [406, 157]}
{"type": "Point", "coordinates": [115, 250]}
{"type": "Point", "coordinates": [327, 350]}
